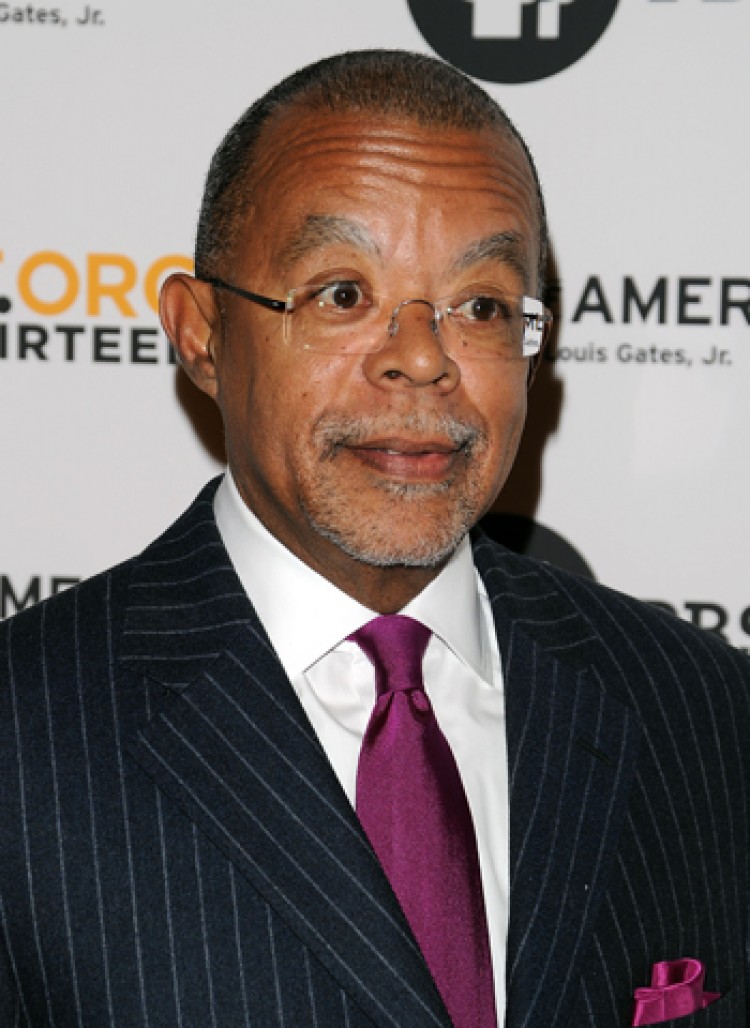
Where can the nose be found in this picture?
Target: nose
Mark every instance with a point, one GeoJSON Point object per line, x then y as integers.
{"type": "Point", "coordinates": [413, 354]}
{"type": "Point", "coordinates": [394, 326]}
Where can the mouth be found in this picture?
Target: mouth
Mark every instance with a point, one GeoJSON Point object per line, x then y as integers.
{"type": "Point", "coordinates": [418, 449]}
{"type": "Point", "coordinates": [410, 460]}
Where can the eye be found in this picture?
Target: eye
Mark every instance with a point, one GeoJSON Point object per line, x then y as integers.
{"type": "Point", "coordinates": [344, 296]}
{"type": "Point", "coordinates": [484, 308]}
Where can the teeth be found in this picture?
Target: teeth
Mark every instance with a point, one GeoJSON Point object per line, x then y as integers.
{"type": "Point", "coordinates": [406, 453]}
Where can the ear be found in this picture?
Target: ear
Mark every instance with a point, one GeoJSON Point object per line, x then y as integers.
{"type": "Point", "coordinates": [190, 318]}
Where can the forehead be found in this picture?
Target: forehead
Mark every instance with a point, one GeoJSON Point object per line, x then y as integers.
{"type": "Point", "coordinates": [391, 175]}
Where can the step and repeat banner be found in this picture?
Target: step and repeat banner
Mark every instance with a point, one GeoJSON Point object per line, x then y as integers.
{"type": "Point", "coordinates": [634, 467]}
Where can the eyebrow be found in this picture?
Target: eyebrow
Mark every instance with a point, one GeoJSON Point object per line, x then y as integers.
{"type": "Point", "coordinates": [504, 247]}
{"type": "Point", "coordinates": [320, 230]}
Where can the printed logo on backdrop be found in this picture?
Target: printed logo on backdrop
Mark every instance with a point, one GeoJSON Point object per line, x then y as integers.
{"type": "Point", "coordinates": [18, 593]}
{"type": "Point", "coordinates": [713, 617]}
{"type": "Point", "coordinates": [101, 308]}
{"type": "Point", "coordinates": [667, 321]}
{"type": "Point", "coordinates": [512, 40]}
{"type": "Point", "coordinates": [82, 16]}
{"type": "Point", "coordinates": [526, 536]}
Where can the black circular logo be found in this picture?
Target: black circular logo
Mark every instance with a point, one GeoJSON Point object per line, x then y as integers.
{"type": "Point", "coordinates": [512, 40]}
{"type": "Point", "coordinates": [523, 535]}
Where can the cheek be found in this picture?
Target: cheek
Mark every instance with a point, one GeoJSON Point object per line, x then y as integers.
{"type": "Point", "coordinates": [504, 414]}
{"type": "Point", "coordinates": [500, 397]}
{"type": "Point", "coordinates": [269, 406]}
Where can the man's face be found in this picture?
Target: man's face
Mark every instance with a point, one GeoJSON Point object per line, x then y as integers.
{"type": "Point", "coordinates": [383, 459]}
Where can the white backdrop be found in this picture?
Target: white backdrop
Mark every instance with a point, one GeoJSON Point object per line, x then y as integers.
{"type": "Point", "coordinates": [109, 118]}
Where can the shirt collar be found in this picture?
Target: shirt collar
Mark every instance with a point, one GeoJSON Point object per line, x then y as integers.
{"type": "Point", "coordinates": [305, 615]}
{"type": "Point", "coordinates": [450, 607]}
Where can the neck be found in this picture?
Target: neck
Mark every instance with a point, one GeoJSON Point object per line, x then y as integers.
{"type": "Point", "coordinates": [386, 590]}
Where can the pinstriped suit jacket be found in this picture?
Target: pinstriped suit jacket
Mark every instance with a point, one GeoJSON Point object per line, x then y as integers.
{"type": "Point", "coordinates": [176, 850]}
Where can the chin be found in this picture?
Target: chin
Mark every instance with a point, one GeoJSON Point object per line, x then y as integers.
{"type": "Point", "coordinates": [390, 556]}
{"type": "Point", "coordinates": [402, 538]}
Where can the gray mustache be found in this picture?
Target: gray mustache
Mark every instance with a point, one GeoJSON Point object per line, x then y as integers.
{"type": "Point", "coordinates": [333, 432]}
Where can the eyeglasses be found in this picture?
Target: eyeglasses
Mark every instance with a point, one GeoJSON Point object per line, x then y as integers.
{"type": "Point", "coordinates": [341, 317]}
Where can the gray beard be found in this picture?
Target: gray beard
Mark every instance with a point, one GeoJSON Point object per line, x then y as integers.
{"type": "Point", "coordinates": [373, 546]}
{"type": "Point", "coordinates": [380, 554]}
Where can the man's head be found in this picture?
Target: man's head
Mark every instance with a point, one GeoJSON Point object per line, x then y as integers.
{"type": "Point", "coordinates": [396, 178]}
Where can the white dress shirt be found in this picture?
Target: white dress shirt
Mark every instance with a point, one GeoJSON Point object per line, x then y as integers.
{"type": "Point", "coordinates": [308, 620]}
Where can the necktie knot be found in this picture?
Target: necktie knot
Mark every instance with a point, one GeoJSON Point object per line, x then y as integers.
{"type": "Point", "coordinates": [394, 645]}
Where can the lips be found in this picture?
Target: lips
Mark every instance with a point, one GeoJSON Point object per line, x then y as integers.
{"type": "Point", "coordinates": [417, 460]}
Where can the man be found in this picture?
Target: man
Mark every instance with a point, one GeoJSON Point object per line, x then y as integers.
{"type": "Point", "coordinates": [185, 735]}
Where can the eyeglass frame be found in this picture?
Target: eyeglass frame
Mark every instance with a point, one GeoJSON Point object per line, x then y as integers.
{"type": "Point", "coordinates": [537, 318]}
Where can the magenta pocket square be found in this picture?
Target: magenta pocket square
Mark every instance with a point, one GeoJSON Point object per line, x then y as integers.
{"type": "Point", "coordinates": [676, 990]}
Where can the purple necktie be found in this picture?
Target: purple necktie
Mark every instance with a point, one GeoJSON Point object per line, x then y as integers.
{"type": "Point", "coordinates": [412, 805]}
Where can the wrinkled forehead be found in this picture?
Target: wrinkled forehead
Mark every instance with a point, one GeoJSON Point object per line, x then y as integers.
{"type": "Point", "coordinates": [309, 162]}
{"type": "Point", "coordinates": [318, 139]}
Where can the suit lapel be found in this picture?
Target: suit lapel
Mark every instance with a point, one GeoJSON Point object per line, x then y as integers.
{"type": "Point", "coordinates": [571, 754]}
{"type": "Point", "coordinates": [233, 747]}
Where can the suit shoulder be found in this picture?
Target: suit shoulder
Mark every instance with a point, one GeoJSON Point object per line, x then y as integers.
{"type": "Point", "coordinates": [104, 595]}
{"type": "Point", "coordinates": [605, 606]}
{"type": "Point", "coordinates": [82, 607]}
{"type": "Point", "coordinates": [627, 629]}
